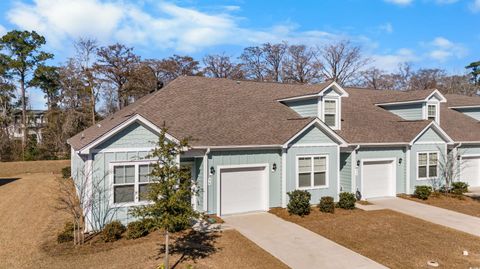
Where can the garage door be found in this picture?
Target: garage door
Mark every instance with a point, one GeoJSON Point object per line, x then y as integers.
{"type": "Point", "coordinates": [378, 179]}
{"type": "Point", "coordinates": [243, 190]}
{"type": "Point", "coordinates": [471, 171]}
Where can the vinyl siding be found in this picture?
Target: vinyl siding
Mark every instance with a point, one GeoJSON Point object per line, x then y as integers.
{"type": "Point", "coordinates": [379, 153]}
{"type": "Point", "coordinates": [306, 108]}
{"type": "Point", "coordinates": [242, 157]}
{"type": "Point", "coordinates": [430, 136]}
{"type": "Point", "coordinates": [313, 135]}
{"type": "Point", "coordinates": [407, 112]}
{"type": "Point", "coordinates": [346, 172]}
{"type": "Point", "coordinates": [471, 112]}
{"type": "Point", "coordinates": [135, 135]}
{"type": "Point", "coordinates": [77, 165]}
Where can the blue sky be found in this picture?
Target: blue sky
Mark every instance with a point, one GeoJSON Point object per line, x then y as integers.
{"type": "Point", "coordinates": [427, 33]}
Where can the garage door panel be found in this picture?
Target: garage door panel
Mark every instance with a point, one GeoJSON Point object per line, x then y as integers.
{"type": "Point", "coordinates": [378, 178]}
{"type": "Point", "coordinates": [242, 190]}
{"type": "Point", "coordinates": [471, 171]}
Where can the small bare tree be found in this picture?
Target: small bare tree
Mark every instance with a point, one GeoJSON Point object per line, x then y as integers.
{"type": "Point", "coordinates": [450, 165]}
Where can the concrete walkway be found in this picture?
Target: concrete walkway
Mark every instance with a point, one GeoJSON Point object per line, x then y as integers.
{"type": "Point", "coordinates": [437, 215]}
{"type": "Point", "coordinates": [296, 246]}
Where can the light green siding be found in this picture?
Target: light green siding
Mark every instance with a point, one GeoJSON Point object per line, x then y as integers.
{"type": "Point", "coordinates": [135, 135]}
{"type": "Point", "coordinates": [313, 135]}
{"type": "Point", "coordinates": [416, 148]}
{"type": "Point", "coordinates": [78, 165]}
{"type": "Point", "coordinates": [242, 157]}
{"type": "Point", "coordinates": [471, 112]}
{"type": "Point", "coordinates": [346, 172]}
{"type": "Point", "coordinates": [379, 153]}
{"type": "Point", "coordinates": [333, 170]}
{"type": "Point", "coordinates": [407, 112]}
{"type": "Point", "coordinates": [430, 136]}
{"type": "Point", "coordinates": [306, 108]}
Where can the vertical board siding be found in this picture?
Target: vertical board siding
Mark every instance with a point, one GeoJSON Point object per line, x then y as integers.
{"type": "Point", "coordinates": [242, 157]}
{"type": "Point", "coordinates": [333, 170]}
{"type": "Point", "coordinates": [430, 136]}
{"type": "Point", "coordinates": [306, 108]}
{"type": "Point", "coordinates": [379, 153]}
{"type": "Point", "coordinates": [407, 112]}
{"type": "Point", "coordinates": [414, 181]}
{"type": "Point", "coordinates": [471, 112]}
{"type": "Point", "coordinates": [346, 172]}
{"type": "Point", "coordinates": [313, 135]}
{"type": "Point", "coordinates": [135, 135]}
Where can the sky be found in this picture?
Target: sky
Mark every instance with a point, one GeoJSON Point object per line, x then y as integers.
{"type": "Point", "coordinates": [426, 33]}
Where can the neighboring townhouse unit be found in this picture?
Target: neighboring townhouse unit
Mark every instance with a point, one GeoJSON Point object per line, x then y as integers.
{"type": "Point", "coordinates": [36, 121]}
{"type": "Point", "coordinates": [253, 142]}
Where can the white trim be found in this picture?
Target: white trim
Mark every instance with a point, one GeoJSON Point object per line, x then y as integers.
{"type": "Point", "coordinates": [437, 111]}
{"type": "Point", "coordinates": [338, 170]}
{"type": "Point", "coordinates": [112, 150]}
{"type": "Point", "coordinates": [298, 98]}
{"type": "Point", "coordinates": [354, 169]}
{"type": "Point", "coordinates": [88, 173]}
{"type": "Point", "coordinates": [407, 170]}
{"type": "Point", "coordinates": [338, 88]}
{"type": "Point", "coordinates": [440, 95]}
{"type": "Point", "coordinates": [462, 107]}
{"type": "Point", "coordinates": [205, 180]}
{"type": "Point", "coordinates": [313, 145]}
{"type": "Point", "coordinates": [393, 189]}
{"type": "Point", "coordinates": [120, 127]}
{"type": "Point", "coordinates": [284, 178]}
{"type": "Point", "coordinates": [437, 128]}
{"type": "Point", "coordinates": [327, 171]}
{"type": "Point", "coordinates": [227, 147]}
{"type": "Point", "coordinates": [266, 184]}
{"type": "Point", "coordinates": [322, 126]}
{"type": "Point", "coordinates": [428, 165]}
{"type": "Point", "coordinates": [337, 108]}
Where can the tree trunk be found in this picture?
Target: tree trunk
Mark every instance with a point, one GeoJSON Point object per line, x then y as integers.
{"type": "Point", "coordinates": [166, 250]}
{"type": "Point", "coordinates": [24, 115]}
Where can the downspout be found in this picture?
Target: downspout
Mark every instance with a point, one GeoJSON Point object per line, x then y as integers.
{"type": "Point", "coordinates": [459, 164]}
{"type": "Point", "coordinates": [354, 168]}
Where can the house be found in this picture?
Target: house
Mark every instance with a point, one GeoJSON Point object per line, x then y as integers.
{"type": "Point", "coordinates": [36, 121]}
{"type": "Point", "coordinates": [256, 141]}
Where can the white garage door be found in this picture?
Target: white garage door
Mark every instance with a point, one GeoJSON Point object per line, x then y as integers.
{"type": "Point", "coordinates": [243, 190]}
{"type": "Point", "coordinates": [471, 171]}
{"type": "Point", "coordinates": [378, 179]}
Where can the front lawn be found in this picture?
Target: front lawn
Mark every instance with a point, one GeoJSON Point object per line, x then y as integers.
{"type": "Point", "coordinates": [392, 239]}
{"type": "Point", "coordinates": [462, 204]}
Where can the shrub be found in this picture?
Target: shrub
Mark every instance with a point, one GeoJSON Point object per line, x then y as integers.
{"type": "Point", "coordinates": [67, 234]}
{"type": "Point", "coordinates": [326, 204]}
{"type": "Point", "coordinates": [299, 203]}
{"type": "Point", "coordinates": [459, 187]}
{"type": "Point", "coordinates": [346, 200]}
{"type": "Point", "coordinates": [136, 229]}
{"type": "Point", "coordinates": [66, 172]}
{"type": "Point", "coordinates": [112, 231]}
{"type": "Point", "coordinates": [422, 192]}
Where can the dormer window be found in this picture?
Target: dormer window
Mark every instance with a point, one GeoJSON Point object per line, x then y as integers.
{"type": "Point", "coordinates": [330, 113]}
{"type": "Point", "coordinates": [432, 112]}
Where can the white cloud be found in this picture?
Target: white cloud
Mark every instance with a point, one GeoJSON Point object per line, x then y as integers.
{"type": "Point", "coordinates": [386, 27]}
{"type": "Point", "coordinates": [442, 49]}
{"type": "Point", "coordinates": [3, 30]}
{"type": "Point", "coordinates": [475, 6]}
{"type": "Point", "coordinates": [390, 62]}
{"type": "Point", "coordinates": [400, 2]}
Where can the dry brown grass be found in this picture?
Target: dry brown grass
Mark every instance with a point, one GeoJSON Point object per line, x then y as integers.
{"type": "Point", "coordinates": [392, 239]}
{"type": "Point", "coordinates": [29, 224]}
{"type": "Point", "coordinates": [462, 204]}
{"type": "Point", "coordinates": [8, 169]}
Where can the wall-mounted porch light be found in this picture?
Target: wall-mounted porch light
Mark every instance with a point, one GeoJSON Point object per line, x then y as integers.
{"type": "Point", "coordinates": [400, 161]}
{"type": "Point", "coordinates": [212, 170]}
{"type": "Point", "coordinates": [274, 167]}
{"type": "Point", "coordinates": [358, 163]}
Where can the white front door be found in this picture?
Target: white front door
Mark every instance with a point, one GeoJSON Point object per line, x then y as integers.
{"type": "Point", "coordinates": [378, 179]}
{"type": "Point", "coordinates": [243, 190]}
{"type": "Point", "coordinates": [470, 171]}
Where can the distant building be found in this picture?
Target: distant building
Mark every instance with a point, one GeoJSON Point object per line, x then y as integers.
{"type": "Point", "coordinates": [36, 121]}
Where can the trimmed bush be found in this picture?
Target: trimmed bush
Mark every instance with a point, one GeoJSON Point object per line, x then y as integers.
{"type": "Point", "coordinates": [459, 187]}
{"type": "Point", "coordinates": [299, 203]}
{"type": "Point", "coordinates": [67, 234]}
{"type": "Point", "coordinates": [326, 204]}
{"type": "Point", "coordinates": [136, 229]}
{"type": "Point", "coordinates": [422, 192]}
{"type": "Point", "coordinates": [112, 231]}
{"type": "Point", "coordinates": [346, 200]}
{"type": "Point", "coordinates": [66, 172]}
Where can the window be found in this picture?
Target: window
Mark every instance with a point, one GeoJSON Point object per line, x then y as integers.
{"type": "Point", "coordinates": [330, 113]}
{"type": "Point", "coordinates": [432, 112]}
{"type": "Point", "coordinates": [312, 171]}
{"type": "Point", "coordinates": [427, 165]}
{"type": "Point", "coordinates": [130, 182]}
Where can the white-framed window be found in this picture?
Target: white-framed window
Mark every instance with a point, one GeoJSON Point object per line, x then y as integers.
{"type": "Point", "coordinates": [312, 171]}
{"type": "Point", "coordinates": [130, 182]}
{"type": "Point", "coordinates": [330, 112]}
{"type": "Point", "coordinates": [432, 112]}
{"type": "Point", "coordinates": [427, 165]}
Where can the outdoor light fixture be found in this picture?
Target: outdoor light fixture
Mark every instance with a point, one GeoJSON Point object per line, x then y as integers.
{"type": "Point", "coordinates": [212, 170]}
{"type": "Point", "coordinates": [400, 161]}
{"type": "Point", "coordinates": [274, 167]}
{"type": "Point", "coordinates": [358, 163]}
{"type": "Point", "coordinates": [459, 157]}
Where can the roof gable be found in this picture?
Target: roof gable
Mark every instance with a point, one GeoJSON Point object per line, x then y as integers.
{"type": "Point", "coordinates": [432, 134]}
{"type": "Point", "coordinates": [318, 133]}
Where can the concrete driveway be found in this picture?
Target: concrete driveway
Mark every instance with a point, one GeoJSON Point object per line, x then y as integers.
{"type": "Point", "coordinates": [296, 246]}
{"type": "Point", "coordinates": [437, 215]}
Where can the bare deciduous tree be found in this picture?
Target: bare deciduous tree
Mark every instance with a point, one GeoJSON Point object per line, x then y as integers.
{"type": "Point", "coordinates": [301, 65]}
{"type": "Point", "coordinates": [86, 49]}
{"type": "Point", "coordinates": [253, 63]}
{"type": "Point", "coordinates": [221, 66]}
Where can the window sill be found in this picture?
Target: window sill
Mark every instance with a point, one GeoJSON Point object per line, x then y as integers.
{"type": "Point", "coordinates": [426, 178]}
{"type": "Point", "coordinates": [312, 188]}
{"type": "Point", "coordinates": [131, 204]}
